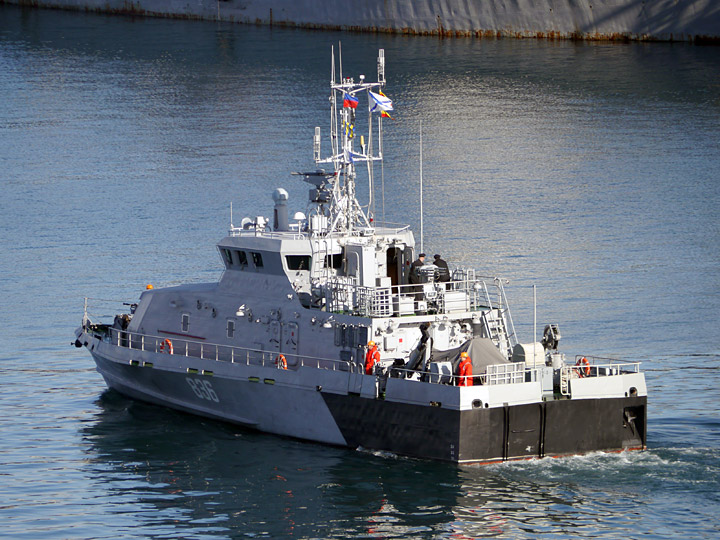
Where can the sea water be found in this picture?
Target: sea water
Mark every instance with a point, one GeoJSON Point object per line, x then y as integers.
{"type": "Point", "coordinates": [590, 170]}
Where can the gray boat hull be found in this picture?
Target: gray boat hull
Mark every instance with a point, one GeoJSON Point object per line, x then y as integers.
{"type": "Point", "coordinates": [320, 405]}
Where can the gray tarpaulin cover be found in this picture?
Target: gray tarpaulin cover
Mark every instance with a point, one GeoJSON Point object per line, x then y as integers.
{"type": "Point", "coordinates": [482, 351]}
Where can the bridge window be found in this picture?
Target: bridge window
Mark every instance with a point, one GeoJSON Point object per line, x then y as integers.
{"type": "Point", "coordinates": [257, 259]}
{"type": "Point", "coordinates": [298, 262]}
{"type": "Point", "coordinates": [227, 255]}
{"type": "Point", "coordinates": [242, 258]}
{"type": "Point", "coordinates": [334, 261]}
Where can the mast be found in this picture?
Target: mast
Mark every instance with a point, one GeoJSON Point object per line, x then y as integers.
{"type": "Point", "coordinates": [345, 214]}
{"type": "Point", "coordinates": [421, 190]}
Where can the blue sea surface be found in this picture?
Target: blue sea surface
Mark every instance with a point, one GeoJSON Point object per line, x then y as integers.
{"type": "Point", "coordinates": [591, 170]}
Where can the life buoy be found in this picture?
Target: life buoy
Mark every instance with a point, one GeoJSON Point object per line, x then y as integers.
{"type": "Point", "coordinates": [169, 346]}
{"type": "Point", "coordinates": [584, 366]}
{"type": "Point", "coordinates": [281, 362]}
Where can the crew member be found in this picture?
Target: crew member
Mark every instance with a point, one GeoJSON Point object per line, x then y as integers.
{"type": "Point", "coordinates": [414, 277]}
{"type": "Point", "coordinates": [281, 362]}
{"type": "Point", "coordinates": [415, 269]}
{"type": "Point", "coordinates": [465, 370]}
{"type": "Point", "coordinates": [443, 270]}
{"type": "Point", "coordinates": [372, 357]}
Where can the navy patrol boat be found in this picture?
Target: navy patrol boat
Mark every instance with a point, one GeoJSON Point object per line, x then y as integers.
{"type": "Point", "coordinates": [321, 329]}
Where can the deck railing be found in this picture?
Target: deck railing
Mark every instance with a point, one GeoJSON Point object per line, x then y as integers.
{"type": "Point", "coordinates": [594, 367]}
{"type": "Point", "coordinates": [464, 293]}
{"type": "Point", "coordinates": [300, 231]}
{"type": "Point", "coordinates": [219, 353]}
{"type": "Point", "coordinates": [498, 374]}
{"type": "Point", "coordinates": [513, 373]}
{"type": "Point", "coordinates": [494, 375]}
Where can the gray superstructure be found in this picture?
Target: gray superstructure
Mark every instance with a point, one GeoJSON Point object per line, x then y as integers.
{"type": "Point", "coordinates": [280, 343]}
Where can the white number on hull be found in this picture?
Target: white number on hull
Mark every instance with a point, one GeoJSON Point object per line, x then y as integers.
{"type": "Point", "coordinates": [203, 389]}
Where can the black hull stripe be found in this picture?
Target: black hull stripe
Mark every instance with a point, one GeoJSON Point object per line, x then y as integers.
{"type": "Point", "coordinates": [554, 428]}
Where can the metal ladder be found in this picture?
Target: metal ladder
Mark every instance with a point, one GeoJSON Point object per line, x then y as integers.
{"type": "Point", "coordinates": [496, 327]}
{"type": "Point", "coordinates": [497, 331]}
{"type": "Point", "coordinates": [506, 316]}
{"type": "Point", "coordinates": [565, 382]}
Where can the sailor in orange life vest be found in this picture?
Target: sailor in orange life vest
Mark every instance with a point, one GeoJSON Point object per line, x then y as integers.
{"type": "Point", "coordinates": [371, 357]}
{"type": "Point", "coordinates": [465, 370]}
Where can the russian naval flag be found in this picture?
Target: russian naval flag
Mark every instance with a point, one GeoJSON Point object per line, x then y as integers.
{"type": "Point", "coordinates": [382, 102]}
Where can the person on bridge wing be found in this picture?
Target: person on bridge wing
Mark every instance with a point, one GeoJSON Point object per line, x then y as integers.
{"type": "Point", "coordinates": [443, 270]}
{"type": "Point", "coordinates": [372, 357]}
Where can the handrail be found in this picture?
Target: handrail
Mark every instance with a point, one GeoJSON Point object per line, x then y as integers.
{"type": "Point", "coordinates": [342, 294]}
{"type": "Point", "coordinates": [515, 373]}
{"type": "Point", "coordinates": [605, 359]}
{"type": "Point", "coordinates": [592, 369]}
{"type": "Point", "coordinates": [292, 235]}
{"type": "Point", "coordinates": [496, 374]}
{"type": "Point", "coordinates": [606, 370]}
{"type": "Point", "coordinates": [218, 352]}
{"type": "Point", "coordinates": [387, 227]}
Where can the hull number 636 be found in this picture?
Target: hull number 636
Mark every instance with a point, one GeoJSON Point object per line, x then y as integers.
{"type": "Point", "coordinates": [203, 389]}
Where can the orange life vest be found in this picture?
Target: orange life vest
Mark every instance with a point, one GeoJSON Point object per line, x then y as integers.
{"type": "Point", "coordinates": [465, 372]}
{"type": "Point", "coordinates": [371, 358]}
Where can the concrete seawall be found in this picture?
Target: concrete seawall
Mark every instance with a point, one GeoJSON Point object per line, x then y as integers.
{"type": "Point", "coordinates": [651, 20]}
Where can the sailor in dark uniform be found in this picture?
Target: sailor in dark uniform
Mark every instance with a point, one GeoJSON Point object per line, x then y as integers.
{"type": "Point", "coordinates": [443, 270]}
{"type": "Point", "coordinates": [415, 267]}
{"type": "Point", "coordinates": [414, 276]}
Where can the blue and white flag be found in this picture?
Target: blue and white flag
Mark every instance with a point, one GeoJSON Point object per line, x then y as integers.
{"type": "Point", "coordinates": [382, 102]}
